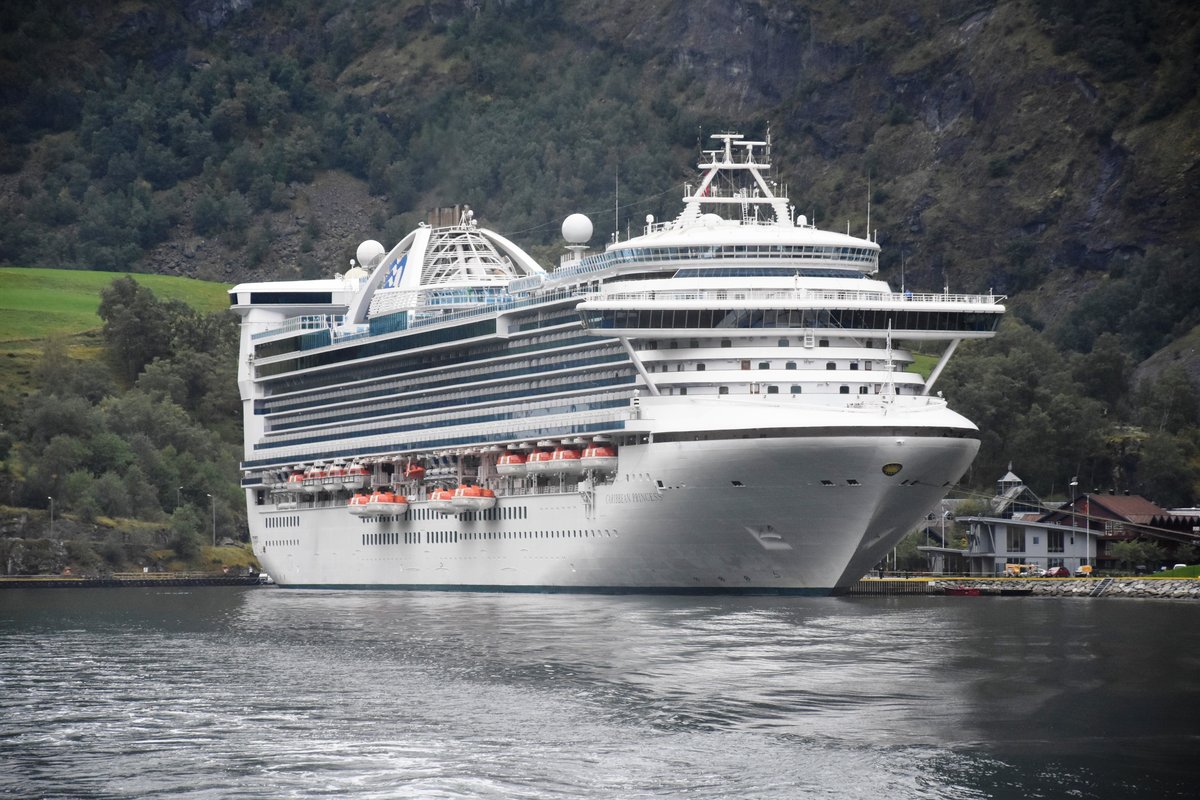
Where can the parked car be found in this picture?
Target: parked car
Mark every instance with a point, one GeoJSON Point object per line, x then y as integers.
{"type": "Point", "coordinates": [1083, 571]}
{"type": "Point", "coordinates": [1057, 572]}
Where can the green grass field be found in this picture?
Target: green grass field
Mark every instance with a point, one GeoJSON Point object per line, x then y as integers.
{"type": "Point", "coordinates": [38, 303]}
{"type": "Point", "coordinates": [923, 364]}
{"type": "Point", "coordinates": [35, 303]}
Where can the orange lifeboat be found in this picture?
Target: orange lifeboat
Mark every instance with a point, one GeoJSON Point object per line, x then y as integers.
{"type": "Point", "coordinates": [358, 505]}
{"type": "Point", "coordinates": [442, 501]}
{"type": "Point", "coordinates": [472, 498]}
{"type": "Point", "coordinates": [385, 501]}
{"type": "Point", "coordinates": [601, 457]}
{"type": "Point", "coordinates": [314, 479]}
{"type": "Point", "coordinates": [511, 464]}
{"type": "Point", "coordinates": [356, 476]}
{"type": "Point", "coordinates": [334, 476]}
{"type": "Point", "coordinates": [414, 472]}
{"type": "Point", "coordinates": [295, 481]}
{"type": "Point", "coordinates": [538, 463]}
{"type": "Point", "coordinates": [565, 460]}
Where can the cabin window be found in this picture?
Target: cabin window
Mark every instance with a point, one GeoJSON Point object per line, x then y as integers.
{"type": "Point", "coordinates": [830, 365]}
{"type": "Point", "coordinates": [722, 390]}
{"type": "Point", "coordinates": [844, 390]}
{"type": "Point", "coordinates": [726, 343]}
{"type": "Point", "coordinates": [853, 365]}
{"type": "Point", "coordinates": [699, 368]}
{"type": "Point", "coordinates": [790, 365]}
{"type": "Point", "coordinates": [823, 343]}
{"type": "Point", "coordinates": [764, 365]}
{"type": "Point", "coordinates": [796, 389]}
{"type": "Point", "coordinates": [784, 343]}
{"type": "Point", "coordinates": [772, 390]}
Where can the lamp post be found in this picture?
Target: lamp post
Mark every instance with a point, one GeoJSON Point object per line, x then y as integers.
{"type": "Point", "coordinates": [214, 519]}
{"type": "Point", "coordinates": [51, 499]}
{"type": "Point", "coordinates": [1083, 558]}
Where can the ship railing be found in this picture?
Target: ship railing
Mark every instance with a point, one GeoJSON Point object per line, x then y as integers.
{"type": "Point", "coordinates": [306, 323]}
{"type": "Point", "coordinates": [799, 294]}
{"type": "Point", "coordinates": [493, 308]}
{"type": "Point", "coordinates": [464, 436]}
{"type": "Point", "coordinates": [351, 333]}
{"type": "Point", "coordinates": [799, 256]}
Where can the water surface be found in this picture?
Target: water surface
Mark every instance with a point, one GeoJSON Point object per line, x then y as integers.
{"type": "Point", "coordinates": [263, 692]}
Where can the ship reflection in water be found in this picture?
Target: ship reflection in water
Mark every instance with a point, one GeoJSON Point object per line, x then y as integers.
{"type": "Point", "coordinates": [258, 692]}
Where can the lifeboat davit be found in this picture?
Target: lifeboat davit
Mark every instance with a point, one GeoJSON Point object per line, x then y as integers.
{"type": "Point", "coordinates": [565, 460]}
{"type": "Point", "coordinates": [442, 501]}
{"type": "Point", "coordinates": [538, 463]}
{"type": "Point", "coordinates": [472, 498]}
{"type": "Point", "coordinates": [385, 501]}
{"type": "Point", "coordinates": [358, 505]}
{"type": "Point", "coordinates": [601, 457]}
{"type": "Point", "coordinates": [511, 464]}
{"type": "Point", "coordinates": [314, 479]}
{"type": "Point", "coordinates": [356, 476]}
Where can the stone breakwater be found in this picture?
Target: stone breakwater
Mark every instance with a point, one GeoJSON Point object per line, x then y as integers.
{"type": "Point", "coordinates": [1166, 588]}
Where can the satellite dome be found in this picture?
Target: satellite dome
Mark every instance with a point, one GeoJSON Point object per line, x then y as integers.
{"type": "Point", "coordinates": [577, 229]}
{"type": "Point", "coordinates": [711, 220]}
{"type": "Point", "coordinates": [369, 253]}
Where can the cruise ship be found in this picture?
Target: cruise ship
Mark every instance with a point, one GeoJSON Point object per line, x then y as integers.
{"type": "Point", "coordinates": [722, 403]}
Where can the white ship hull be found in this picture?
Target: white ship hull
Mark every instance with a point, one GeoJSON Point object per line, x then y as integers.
{"type": "Point", "coordinates": [733, 515]}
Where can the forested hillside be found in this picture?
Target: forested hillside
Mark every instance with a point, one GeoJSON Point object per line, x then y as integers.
{"type": "Point", "coordinates": [1045, 149]}
{"type": "Point", "coordinates": [136, 443]}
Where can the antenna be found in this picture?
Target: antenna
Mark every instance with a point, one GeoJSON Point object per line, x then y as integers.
{"type": "Point", "coordinates": [616, 202]}
{"type": "Point", "coordinates": [868, 204]}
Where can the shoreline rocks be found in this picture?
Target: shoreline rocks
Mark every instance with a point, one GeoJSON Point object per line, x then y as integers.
{"type": "Point", "coordinates": [1162, 588]}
